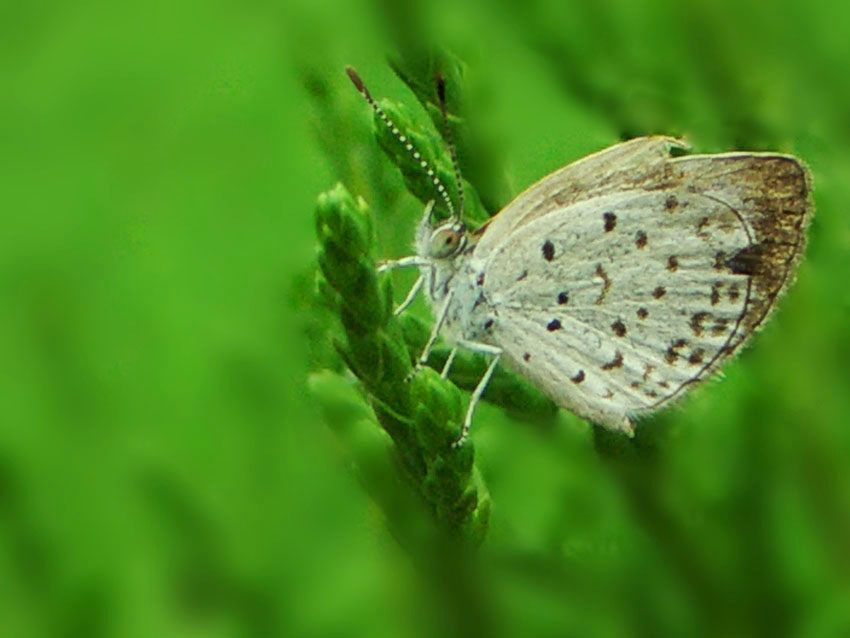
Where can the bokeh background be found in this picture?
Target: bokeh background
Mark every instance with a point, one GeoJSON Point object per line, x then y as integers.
{"type": "Point", "coordinates": [165, 466]}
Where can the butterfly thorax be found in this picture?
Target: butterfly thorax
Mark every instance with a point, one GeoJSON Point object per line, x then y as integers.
{"type": "Point", "coordinates": [451, 269]}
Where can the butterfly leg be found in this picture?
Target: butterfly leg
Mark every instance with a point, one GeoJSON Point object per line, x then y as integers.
{"type": "Point", "coordinates": [482, 348]}
{"type": "Point", "coordinates": [411, 295]}
{"type": "Point", "coordinates": [448, 365]}
{"type": "Point", "coordinates": [438, 325]}
{"type": "Point", "coordinates": [404, 262]}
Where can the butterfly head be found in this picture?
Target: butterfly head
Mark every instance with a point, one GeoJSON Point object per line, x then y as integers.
{"type": "Point", "coordinates": [441, 241]}
{"type": "Point", "coordinates": [447, 240]}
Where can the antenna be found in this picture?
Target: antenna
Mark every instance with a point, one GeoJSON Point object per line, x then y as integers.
{"type": "Point", "coordinates": [447, 134]}
{"type": "Point", "coordinates": [358, 84]}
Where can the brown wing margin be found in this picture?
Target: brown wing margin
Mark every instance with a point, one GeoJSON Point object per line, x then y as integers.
{"type": "Point", "coordinates": [772, 194]}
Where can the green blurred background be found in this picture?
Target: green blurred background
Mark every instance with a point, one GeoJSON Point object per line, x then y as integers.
{"type": "Point", "coordinates": [164, 469]}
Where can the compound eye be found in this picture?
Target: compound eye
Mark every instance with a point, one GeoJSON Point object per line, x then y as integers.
{"type": "Point", "coordinates": [446, 241]}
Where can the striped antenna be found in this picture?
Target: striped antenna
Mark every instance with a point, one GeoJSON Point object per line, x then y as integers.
{"type": "Point", "coordinates": [358, 84]}
{"type": "Point", "coordinates": [447, 134]}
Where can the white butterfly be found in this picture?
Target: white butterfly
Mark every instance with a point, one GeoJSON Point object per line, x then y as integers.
{"type": "Point", "coordinates": [619, 281]}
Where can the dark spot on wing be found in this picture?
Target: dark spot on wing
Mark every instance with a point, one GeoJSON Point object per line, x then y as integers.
{"type": "Point", "coordinates": [701, 226]}
{"type": "Point", "coordinates": [480, 281]}
{"type": "Point", "coordinates": [563, 298]}
{"type": "Point", "coordinates": [734, 293]}
{"type": "Point", "coordinates": [616, 362]}
{"type": "Point", "coordinates": [696, 357]}
{"type": "Point", "coordinates": [488, 324]}
{"type": "Point", "coordinates": [647, 370]}
{"type": "Point", "coordinates": [548, 250]}
{"type": "Point", "coordinates": [522, 275]}
{"type": "Point", "coordinates": [553, 325]}
{"type": "Point", "coordinates": [672, 263]}
{"type": "Point", "coordinates": [642, 313]}
{"type": "Point", "coordinates": [697, 320]}
{"type": "Point", "coordinates": [720, 260]}
{"type": "Point", "coordinates": [578, 378]}
{"type": "Point", "coordinates": [672, 352]}
{"type": "Point", "coordinates": [526, 357]}
{"type": "Point", "coordinates": [640, 239]}
{"type": "Point", "coordinates": [610, 221]}
{"type": "Point", "coordinates": [659, 292]}
{"type": "Point", "coordinates": [663, 384]}
{"type": "Point", "coordinates": [746, 261]}
{"type": "Point", "coordinates": [652, 394]}
{"type": "Point", "coordinates": [606, 283]}
{"type": "Point", "coordinates": [619, 328]}
{"type": "Point", "coordinates": [715, 292]}
{"type": "Point", "coordinates": [635, 384]}
{"type": "Point", "coordinates": [671, 203]}
{"type": "Point", "coordinates": [719, 327]}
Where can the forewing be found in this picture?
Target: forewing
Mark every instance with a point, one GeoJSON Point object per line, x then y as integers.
{"type": "Point", "coordinates": [616, 304]}
{"type": "Point", "coordinates": [617, 168]}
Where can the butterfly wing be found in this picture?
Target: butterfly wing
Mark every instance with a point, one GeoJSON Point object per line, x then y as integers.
{"type": "Point", "coordinates": [612, 169]}
{"type": "Point", "coordinates": [616, 304]}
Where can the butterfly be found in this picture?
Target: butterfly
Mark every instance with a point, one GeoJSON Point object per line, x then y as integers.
{"type": "Point", "coordinates": [620, 281]}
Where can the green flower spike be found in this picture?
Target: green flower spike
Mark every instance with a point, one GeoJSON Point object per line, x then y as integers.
{"type": "Point", "coordinates": [422, 416]}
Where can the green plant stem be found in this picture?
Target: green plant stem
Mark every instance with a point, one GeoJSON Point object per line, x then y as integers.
{"type": "Point", "coordinates": [421, 413]}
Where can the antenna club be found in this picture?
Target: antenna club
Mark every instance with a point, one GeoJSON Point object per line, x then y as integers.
{"type": "Point", "coordinates": [356, 81]}
{"type": "Point", "coordinates": [441, 89]}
